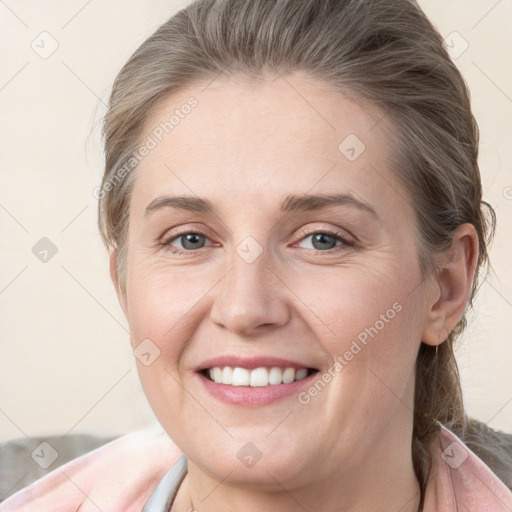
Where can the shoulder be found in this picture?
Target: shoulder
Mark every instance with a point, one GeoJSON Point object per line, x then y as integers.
{"type": "Point", "coordinates": [121, 475]}
{"type": "Point", "coordinates": [459, 479]}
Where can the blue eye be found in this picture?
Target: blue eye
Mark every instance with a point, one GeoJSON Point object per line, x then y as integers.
{"type": "Point", "coordinates": [323, 240]}
{"type": "Point", "coordinates": [191, 241]}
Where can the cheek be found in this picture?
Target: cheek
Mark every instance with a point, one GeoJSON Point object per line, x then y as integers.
{"type": "Point", "coordinates": [362, 305]}
{"type": "Point", "coordinates": [162, 307]}
{"type": "Point", "coordinates": [374, 333]}
{"type": "Point", "coordinates": [340, 305]}
{"type": "Point", "coordinates": [163, 304]}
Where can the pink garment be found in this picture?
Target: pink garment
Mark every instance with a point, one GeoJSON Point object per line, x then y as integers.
{"type": "Point", "coordinates": [459, 481]}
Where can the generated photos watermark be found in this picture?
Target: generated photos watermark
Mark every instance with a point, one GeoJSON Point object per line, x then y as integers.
{"type": "Point", "coordinates": [150, 143]}
{"type": "Point", "coordinates": [342, 360]}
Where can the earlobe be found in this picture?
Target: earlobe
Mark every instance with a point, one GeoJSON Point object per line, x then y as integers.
{"type": "Point", "coordinates": [456, 271]}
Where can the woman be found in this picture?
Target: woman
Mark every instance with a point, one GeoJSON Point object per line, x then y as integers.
{"type": "Point", "coordinates": [293, 209]}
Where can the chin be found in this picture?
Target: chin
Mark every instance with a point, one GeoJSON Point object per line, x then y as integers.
{"type": "Point", "coordinates": [259, 463]}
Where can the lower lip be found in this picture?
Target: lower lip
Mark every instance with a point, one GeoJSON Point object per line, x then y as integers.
{"type": "Point", "coordinates": [254, 396]}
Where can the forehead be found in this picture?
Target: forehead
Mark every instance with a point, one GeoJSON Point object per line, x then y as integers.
{"type": "Point", "coordinates": [258, 139]}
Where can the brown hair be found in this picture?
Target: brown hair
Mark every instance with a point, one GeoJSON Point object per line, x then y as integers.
{"type": "Point", "coordinates": [383, 51]}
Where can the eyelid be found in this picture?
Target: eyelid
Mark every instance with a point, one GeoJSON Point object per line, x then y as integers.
{"type": "Point", "coordinates": [169, 237]}
{"type": "Point", "coordinates": [183, 229]}
{"type": "Point", "coordinates": [340, 235]}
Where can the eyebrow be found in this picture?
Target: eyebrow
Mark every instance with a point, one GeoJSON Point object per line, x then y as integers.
{"type": "Point", "coordinates": [292, 203]}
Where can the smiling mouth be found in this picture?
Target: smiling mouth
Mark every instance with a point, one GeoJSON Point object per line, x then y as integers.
{"type": "Point", "coordinates": [257, 377]}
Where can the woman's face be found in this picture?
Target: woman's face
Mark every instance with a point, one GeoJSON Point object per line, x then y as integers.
{"type": "Point", "coordinates": [272, 279]}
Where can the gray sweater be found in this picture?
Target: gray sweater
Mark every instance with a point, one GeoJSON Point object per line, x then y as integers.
{"type": "Point", "coordinates": [163, 496]}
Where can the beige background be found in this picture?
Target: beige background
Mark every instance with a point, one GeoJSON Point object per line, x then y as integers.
{"type": "Point", "coordinates": [65, 363]}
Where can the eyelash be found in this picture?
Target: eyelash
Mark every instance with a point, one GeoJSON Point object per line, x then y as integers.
{"type": "Point", "coordinates": [337, 235]}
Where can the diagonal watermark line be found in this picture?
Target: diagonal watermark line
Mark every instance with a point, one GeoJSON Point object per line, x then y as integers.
{"type": "Point", "coordinates": [11, 489]}
{"type": "Point", "coordinates": [14, 76]}
{"type": "Point", "coordinates": [13, 279]}
{"type": "Point", "coordinates": [198, 300]}
{"type": "Point", "coordinates": [76, 14]}
{"type": "Point", "coordinates": [87, 497]}
{"type": "Point", "coordinates": [385, 114]}
{"type": "Point", "coordinates": [332, 332]}
{"type": "Point", "coordinates": [280, 423]}
{"type": "Point", "coordinates": [307, 101]}
{"type": "Point", "coordinates": [389, 389]}
{"type": "Point", "coordinates": [307, 192]}
{"type": "Point", "coordinates": [13, 218]}
{"type": "Point", "coordinates": [214, 489]}
{"type": "Point", "coordinates": [501, 409]}
{"type": "Point", "coordinates": [212, 80]}
{"type": "Point", "coordinates": [492, 81]}
{"type": "Point", "coordinates": [94, 298]}
{"type": "Point", "coordinates": [392, 186]}
{"type": "Point", "coordinates": [423, 279]}
{"type": "Point", "coordinates": [14, 424]}
{"type": "Point", "coordinates": [486, 14]}
{"type": "Point", "coordinates": [220, 220]}
{"type": "Point", "coordinates": [499, 293]}
{"type": "Point", "coordinates": [111, 388]}
{"type": "Point", "coordinates": [409, 501]}
{"type": "Point", "coordinates": [83, 83]}
{"type": "Point", "coordinates": [199, 403]}
{"type": "Point", "coordinates": [74, 218]}
{"type": "Point", "coordinates": [287, 491]}
{"type": "Point", "coordinates": [13, 13]}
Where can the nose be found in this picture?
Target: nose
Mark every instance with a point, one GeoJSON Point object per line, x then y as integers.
{"type": "Point", "coordinates": [251, 298]}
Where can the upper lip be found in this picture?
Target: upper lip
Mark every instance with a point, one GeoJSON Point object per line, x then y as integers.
{"type": "Point", "coordinates": [250, 362]}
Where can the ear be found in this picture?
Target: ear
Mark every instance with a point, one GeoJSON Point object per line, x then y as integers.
{"type": "Point", "coordinates": [452, 286]}
{"type": "Point", "coordinates": [114, 275]}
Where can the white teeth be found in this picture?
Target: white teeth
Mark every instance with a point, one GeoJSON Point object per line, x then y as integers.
{"type": "Point", "coordinates": [289, 375]}
{"type": "Point", "coordinates": [275, 376]}
{"type": "Point", "coordinates": [259, 377]}
{"type": "Point", "coordinates": [300, 374]}
{"type": "Point", "coordinates": [217, 374]}
{"type": "Point", "coordinates": [227, 375]}
{"type": "Point", "coordinates": [241, 377]}
{"type": "Point", "coordinates": [256, 377]}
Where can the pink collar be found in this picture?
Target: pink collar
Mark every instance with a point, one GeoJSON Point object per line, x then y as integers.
{"type": "Point", "coordinates": [460, 481]}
